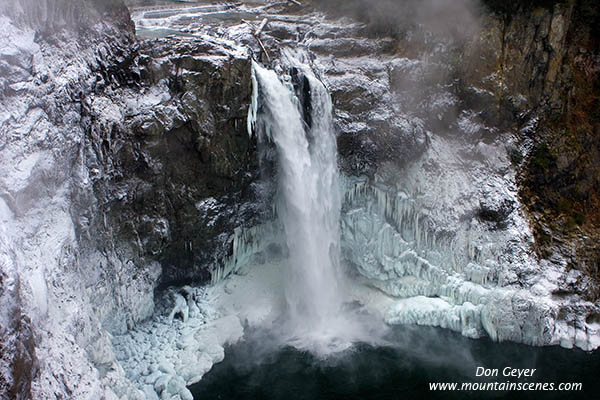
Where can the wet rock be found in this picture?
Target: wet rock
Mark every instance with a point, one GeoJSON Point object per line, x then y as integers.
{"type": "Point", "coordinates": [184, 139]}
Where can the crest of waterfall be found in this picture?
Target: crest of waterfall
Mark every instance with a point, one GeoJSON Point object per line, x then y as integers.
{"type": "Point", "coordinates": [308, 204]}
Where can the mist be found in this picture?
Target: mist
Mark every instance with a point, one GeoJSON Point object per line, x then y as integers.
{"type": "Point", "coordinates": [455, 19]}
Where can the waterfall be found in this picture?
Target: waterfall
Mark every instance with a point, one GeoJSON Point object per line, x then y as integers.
{"type": "Point", "coordinates": [307, 202]}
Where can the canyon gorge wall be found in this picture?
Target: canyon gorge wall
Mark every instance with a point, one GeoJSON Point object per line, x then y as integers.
{"type": "Point", "coordinates": [126, 165]}
{"type": "Point", "coordinates": [528, 68]}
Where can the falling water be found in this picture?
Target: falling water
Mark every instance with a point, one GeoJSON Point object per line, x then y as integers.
{"type": "Point", "coordinates": [308, 205]}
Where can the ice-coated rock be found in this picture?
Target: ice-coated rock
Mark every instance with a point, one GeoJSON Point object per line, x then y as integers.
{"type": "Point", "coordinates": [83, 123]}
{"type": "Point", "coordinates": [450, 265]}
{"type": "Point", "coordinates": [181, 308]}
{"type": "Point", "coordinates": [184, 349]}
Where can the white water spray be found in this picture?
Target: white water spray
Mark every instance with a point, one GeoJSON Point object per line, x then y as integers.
{"type": "Point", "coordinates": [308, 205]}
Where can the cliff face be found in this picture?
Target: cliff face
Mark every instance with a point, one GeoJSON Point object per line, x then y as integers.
{"type": "Point", "coordinates": [529, 69]}
{"type": "Point", "coordinates": [456, 215]}
{"type": "Point", "coordinates": [124, 165]}
{"type": "Point", "coordinates": [561, 176]}
{"type": "Point", "coordinates": [172, 166]}
{"type": "Point", "coordinates": [47, 58]}
{"type": "Point", "coordinates": [538, 65]}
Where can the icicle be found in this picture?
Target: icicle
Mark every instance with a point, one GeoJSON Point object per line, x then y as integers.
{"type": "Point", "coordinates": [253, 110]}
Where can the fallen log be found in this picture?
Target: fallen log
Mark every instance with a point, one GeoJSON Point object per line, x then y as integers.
{"type": "Point", "coordinates": [256, 34]}
{"type": "Point", "coordinates": [262, 25]}
{"type": "Point", "coordinates": [263, 48]}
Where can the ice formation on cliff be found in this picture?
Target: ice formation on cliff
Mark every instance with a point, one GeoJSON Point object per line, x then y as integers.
{"type": "Point", "coordinates": [447, 265]}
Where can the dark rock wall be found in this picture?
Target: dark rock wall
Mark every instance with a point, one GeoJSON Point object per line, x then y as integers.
{"type": "Point", "coordinates": [173, 177]}
{"type": "Point", "coordinates": [152, 168]}
{"type": "Point", "coordinates": [561, 175]}
{"type": "Point", "coordinates": [545, 87]}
